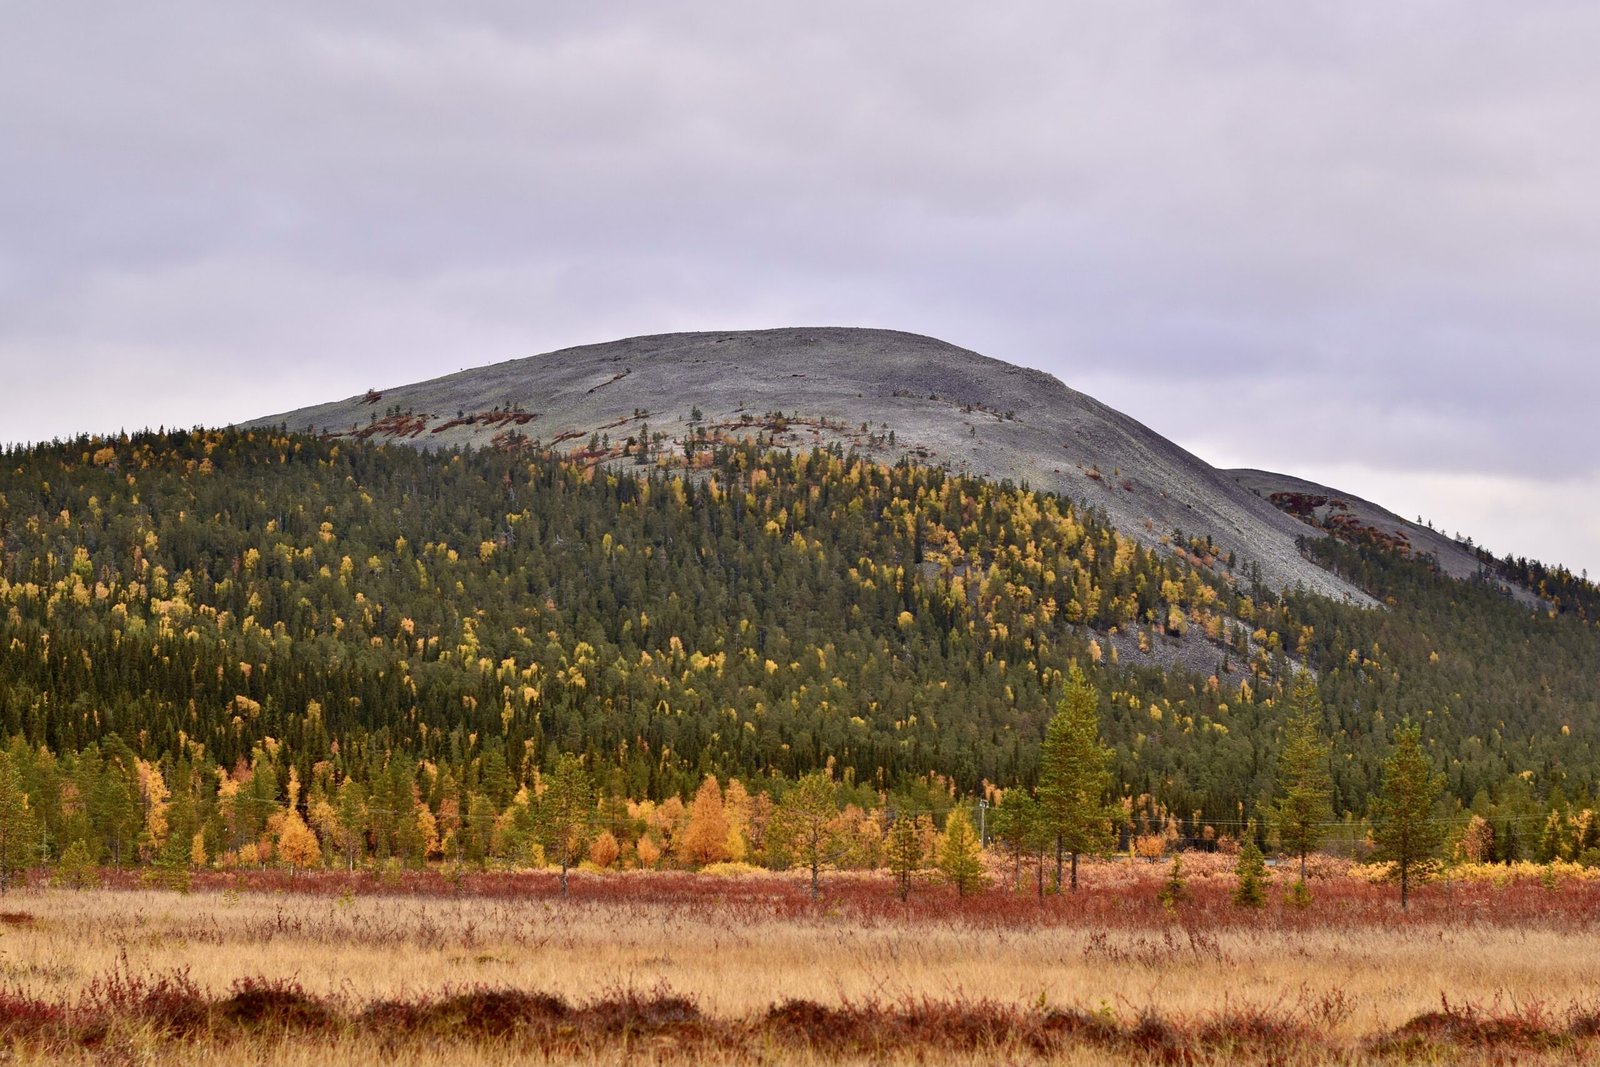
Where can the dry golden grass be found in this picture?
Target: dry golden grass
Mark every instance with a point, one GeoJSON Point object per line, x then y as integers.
{"type": "Point", "coordinates": [380, 948]}
{"type": "Point", "coordinates": [154, 1048]}
{"type": "Point", "coordinates": [1349, 978]}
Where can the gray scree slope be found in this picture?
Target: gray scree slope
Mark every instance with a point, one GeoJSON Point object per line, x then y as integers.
{"type": "Point", "coordinates": [1454, 559]}
{"type": "Point", "coordinates": [947, 406]}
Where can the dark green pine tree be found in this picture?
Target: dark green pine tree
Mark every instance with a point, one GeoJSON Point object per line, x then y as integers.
{"type": "Point", "coordinates": [19, 827]}
{"type": "Point", "coordinates": [1304, 805]}
{"type": "Point", "coordinates": [1251, 891]}
{"type": "Point", "coordinates": [804, 825]}
{"type": "Point", "coordinates": [1175, 890]}
{"type": "Point", "coordinates": [904, 853]}
{"type": "Point", "coordinates": [1015, 825]}
{"type": "Point", "coordinates": [1074, 774]}
{"type": "Point", "coordinates": [1405, 827]}
{"type": "Point", "coordinates": [564, 811]}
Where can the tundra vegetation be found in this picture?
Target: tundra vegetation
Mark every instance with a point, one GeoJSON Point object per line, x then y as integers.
{"type": "Point", "coordinates": [424, 966]}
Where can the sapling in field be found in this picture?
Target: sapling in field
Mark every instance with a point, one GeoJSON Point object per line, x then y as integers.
{"type": "Point", "coordinates": [961, 854]}
{"type": "Point", "coordinates": [1175, 889]}
{"type": "Point", "coordinates": [1251, 870]}
{"type": "Point", "coordinates": [905, 853]}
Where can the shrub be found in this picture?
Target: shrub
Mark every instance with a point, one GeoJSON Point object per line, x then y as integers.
{"type": "Point", "coordinates": [1251, 869]}
{"type": "Point", "coordinates": [1174, 891]}
{"type": "Point", "coordinates": [76, 869]}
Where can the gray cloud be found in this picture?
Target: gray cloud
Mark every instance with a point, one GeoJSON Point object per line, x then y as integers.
{"type": "Point", "coordinates": [1319, 237]}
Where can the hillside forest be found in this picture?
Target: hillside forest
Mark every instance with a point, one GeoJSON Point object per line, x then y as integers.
{"type": "Point", "coordinates": [248, 647]}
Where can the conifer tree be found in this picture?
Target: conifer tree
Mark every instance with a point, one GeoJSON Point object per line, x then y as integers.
{"type": "Point", "coordinates": [563, 816]}
{"type": "Point", "coordinates": [805, 822]}
{"type": "Point", "coordinates": [1305, 786]}
{"type": "Point", "coordinates": [1016, 827]}
{"type": "Point", "coordinates": [76, 868]}
{"type": "Point", "coordinates": [478, 831]}
{"type": "Point", "coordinates": [19, 827]}
{"type": "Point", "coordinates": [705, 840]}
{"type": "Point", "coordinates": [172, 862]}
{"type": "Point", "coordinates": [114, 797]}
{"type": "Point", "coordinates": [1251, 871]}
{"type": "Point", "coordinates": [1074, 775]}
{"type": "Point", "coordinates": [1175, 890]}
{"type": "Point", "coordinates": [905, 853]}
{"type": "Point", "coordinates": [352, 821]}
{"type": "Point", "coordinates": [961, 854]}
{"type": "Point", "coordinates": [1405, 828]}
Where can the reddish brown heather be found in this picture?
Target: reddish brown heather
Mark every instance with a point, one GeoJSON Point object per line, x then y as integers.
{"type": "Point", "coordinates": [325, 968]}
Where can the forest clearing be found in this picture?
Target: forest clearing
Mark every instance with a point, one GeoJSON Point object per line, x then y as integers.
{"type": "Point", "coordinates": [1490, 965]}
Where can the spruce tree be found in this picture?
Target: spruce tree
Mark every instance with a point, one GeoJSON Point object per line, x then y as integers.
{"type": "Point", "coordinates": [563, 816]}
{"type": "Point", "coordinates": [905, 853]}
{"type": "Point", "coordinates": [1015, 824]}
{"type": "Point", "coordinates": [805, 824]}
{"type": "Point", "coordinates": [1175, 890]}
{"type": "Point", "coordinates": [19, 827]}
{"type": "Point", "coordinates": [1405, 828]}
{"type": "Point", "coordinates": [1305, 786]}
{"type": "Point", "coordinates": [1251, 870]}
{"type": "Point", "coordinates": [1074, 775]}
{"type": "Point", "coordinates": [76, 869]}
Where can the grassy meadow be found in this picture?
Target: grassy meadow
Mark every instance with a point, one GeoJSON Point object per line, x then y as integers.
{"type": "Point", "coordinates": [329, 968]}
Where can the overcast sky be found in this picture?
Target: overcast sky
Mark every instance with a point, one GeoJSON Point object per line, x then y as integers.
{"type": "Point", "coordinates": [1358, 242]}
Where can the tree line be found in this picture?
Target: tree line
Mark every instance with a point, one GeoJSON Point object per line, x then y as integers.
{"type": "Point", "coordinates": [250, 616]}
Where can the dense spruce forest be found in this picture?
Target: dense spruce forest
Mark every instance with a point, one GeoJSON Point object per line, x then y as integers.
{"type": "Point", "coordinates": [232, 627]}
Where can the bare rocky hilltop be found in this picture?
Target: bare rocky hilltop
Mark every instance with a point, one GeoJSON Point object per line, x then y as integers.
{"type": "Point", "coordinates": [887, 394]}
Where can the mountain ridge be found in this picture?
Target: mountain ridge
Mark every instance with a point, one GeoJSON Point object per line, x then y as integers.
{"type": "Point", "coordinates": [1353, 518]}
{"type": "Point", "coordinates": [891, 394]}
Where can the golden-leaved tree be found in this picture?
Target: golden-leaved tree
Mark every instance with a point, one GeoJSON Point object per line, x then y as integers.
{"type": "Point", "coordinates": [705, 839]}
{"type": "Point", "coordinates": [961, 854]}
{"type": "Point", "coordinates": [296, 844]}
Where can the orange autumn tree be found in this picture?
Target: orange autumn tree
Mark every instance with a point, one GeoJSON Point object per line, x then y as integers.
{"type": "Point", "coordinates": [705, 840]}
{"type": "Point", "coordinates": [296, 845]}
{"type": "Point", "coordinates": [604, 851]}
{"type": "Point", "coordinates": [427, 834]}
